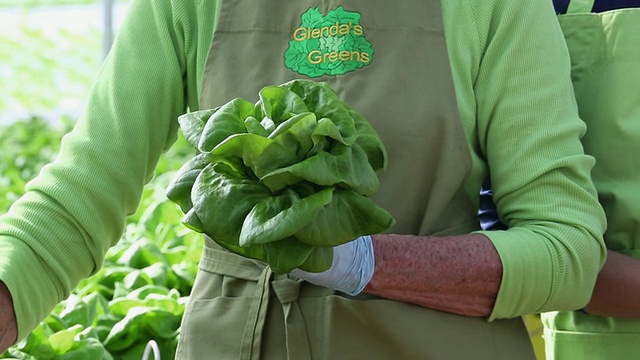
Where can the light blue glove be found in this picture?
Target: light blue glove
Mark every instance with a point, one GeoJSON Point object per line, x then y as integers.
{"type": "Point", "coordinates": [352, 268]}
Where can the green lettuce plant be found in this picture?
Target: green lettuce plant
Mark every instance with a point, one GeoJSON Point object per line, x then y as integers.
{"type": "Point", "coordinates": [282, 180]}
{"type": "Point", "coordinates": [141, 290]}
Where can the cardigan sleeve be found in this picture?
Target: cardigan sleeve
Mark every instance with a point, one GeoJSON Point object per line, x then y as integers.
{"type": "Point", "coordinates": [524, 124]}
{"type": "Point", "coordinates": [75, 209]}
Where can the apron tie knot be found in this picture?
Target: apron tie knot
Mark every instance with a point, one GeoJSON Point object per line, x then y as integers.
{"type": "Point", "coordinates": [286, 290]}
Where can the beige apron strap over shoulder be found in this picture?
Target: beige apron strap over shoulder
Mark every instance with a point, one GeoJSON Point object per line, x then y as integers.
{"type": "Point", "coordinates": [580, 6]}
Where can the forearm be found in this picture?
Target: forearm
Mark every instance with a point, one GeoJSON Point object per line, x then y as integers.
{"type": "Point", "coordinates": [617, 290]}
{"type": "Point", "coordinates": [456, 274]}
{"type": "Point", "coordinates": [8, 325]}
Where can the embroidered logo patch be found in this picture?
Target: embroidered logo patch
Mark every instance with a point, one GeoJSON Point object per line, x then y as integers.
{"type": "Point", "coordinates": [334, 44]}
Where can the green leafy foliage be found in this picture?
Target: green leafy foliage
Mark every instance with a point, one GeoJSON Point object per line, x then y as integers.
{"type": "Point", "coordinates": [31, 3]}
{"type": "Point", "coordinates": [140, 293]}
{"type": "Point", "coordinates": [36, 58]}
{"type": "Point", "coordinates": [26, 147]}
{"type": "Point", "coordinates": [283, 180]}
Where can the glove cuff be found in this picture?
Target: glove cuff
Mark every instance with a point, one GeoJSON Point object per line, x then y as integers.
{"type": "Point", "coordinates": [364, 268]}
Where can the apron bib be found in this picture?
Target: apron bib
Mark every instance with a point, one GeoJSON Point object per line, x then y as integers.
{"type": "Point", "coordinates": [605, 66]}
{"type": "Point", "coordinates": [388, 60]}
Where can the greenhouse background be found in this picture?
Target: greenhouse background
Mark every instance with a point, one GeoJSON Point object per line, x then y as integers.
{"type": "Point", "coordinates": [50, 52]}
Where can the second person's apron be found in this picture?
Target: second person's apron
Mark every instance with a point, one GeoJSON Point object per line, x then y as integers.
{"type": "Point", "coordinates": [388, 60]}
{"type": "Point", "coordinates": [605, 66]}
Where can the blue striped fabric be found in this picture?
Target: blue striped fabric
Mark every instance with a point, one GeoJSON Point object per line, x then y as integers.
{"type": "Point", "coordinates": [599, 6]}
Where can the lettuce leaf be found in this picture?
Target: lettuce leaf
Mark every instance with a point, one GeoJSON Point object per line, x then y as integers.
{"type": "Point", "coordinates": [283, 180]}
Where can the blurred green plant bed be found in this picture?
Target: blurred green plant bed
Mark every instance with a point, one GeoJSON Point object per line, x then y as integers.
{"type": "Point", "coordinates": [46, 70]}
{"type": "Point", "coordinates": [32, 3]}
{"type": "Point", "coordinates": [49, 56]}
{"type": "Point", "coordinates": [140, 293]}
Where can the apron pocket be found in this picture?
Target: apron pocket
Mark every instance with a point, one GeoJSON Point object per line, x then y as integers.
{"type": "Point", "coordinates": [220, 306]}
{"type": "Point", "coordinates": [397, 330]}
{"type": "Point", "coordinates": [213, 329]}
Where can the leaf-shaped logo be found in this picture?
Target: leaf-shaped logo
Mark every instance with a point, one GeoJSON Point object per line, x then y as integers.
{"type": "Point", "coordinates": [334, 44]}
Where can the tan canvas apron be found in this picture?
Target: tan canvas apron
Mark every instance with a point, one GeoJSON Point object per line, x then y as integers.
{"type": "Point", "coordinates": [605, 68]}
{"type": "Point", "coordinates": [238, 309]}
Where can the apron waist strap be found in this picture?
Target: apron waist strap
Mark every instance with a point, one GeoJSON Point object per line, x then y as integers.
{"type": "Point", "coordinates": [220, 261]}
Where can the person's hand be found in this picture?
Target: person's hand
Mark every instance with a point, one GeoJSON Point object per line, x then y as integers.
{"type": "Point", "coordinates": [352, 268]}
{"type": "Point", "coordinates": [8, 325]}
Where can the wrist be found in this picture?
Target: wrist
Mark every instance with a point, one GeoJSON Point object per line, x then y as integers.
{"type": "Point", "coordinates": [352, 268]}
{"type": "Point", "coordinates": [365, 269]}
